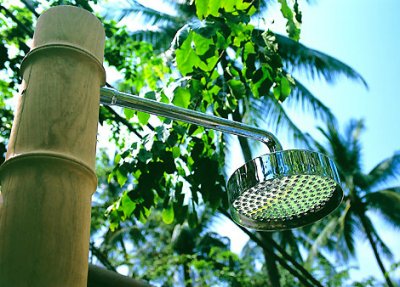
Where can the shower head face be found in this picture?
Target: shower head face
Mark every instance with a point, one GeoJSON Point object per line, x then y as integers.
{"type": "Point", "coordinates": [283, 190]}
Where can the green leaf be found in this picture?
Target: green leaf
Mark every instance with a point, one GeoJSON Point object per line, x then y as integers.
{"type": "Point", "coordinates": [387, 203]}
{"type": "Point", "coordinates": [127, 205]}
{"type": "Point", "coordinates": [150, 95]}
{"type": "Point", "coordinates": [129, 113]}
{"type": "Point", "coordinates": [285, 88]}
{"type": "Point", "coordinates": [143, 215]}
{"type": "Point", "coordinates": [164, 98]}
{"type": "Point", "coordinates": [181, 97]}
{"type": "Point", "coordinates": [205, 8]}
{"type": "Point", "coordinates": [117, 158]}
{"type": "Point", "coordinates": [282, 89]}
{"type": "Point", "coordinates": [113, 226]}
{"type": "Point", "coordinates": [186, 57]}
{"type": "Point", "coordinates": [188, 54]}
{"type": "Point", "coordinates": [222, 42]}
{"type": "Point", "coordinates": [144, 155]}
{"type": "Point", "coordinates": [243, 5]}
{"type": "Point", "coordinates": [121, 178]}
{"type": "Point", "coordinates": [213, 7]}
{"type": "Point", "coordinates": [110, 177]}
{"type": "Point", "coordinates": [168, 215]}
{"type": "Point", "coordinates": [176, 152]}
{"type": "Point", "coordinates": [248, 49]}
{"type": "Point", "coordinates": [228, 5]}
{"type": "Point", "coordinates": [202, 44]}
{"type": "Point", "coordinates": [237, 88]}
{"type": "Point", "coordinates": [201, 8]}
{"type": "Point", "coordinates": [293, 17]}
{"type": "Point", "coordinates": [143, 118]}
{"type": "Point", "coordinates": [277, 92]}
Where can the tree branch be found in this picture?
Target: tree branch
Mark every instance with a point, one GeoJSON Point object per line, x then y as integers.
{"type": "Point", "coordinates": [123, 120]}
{"type": "Point", "coordinates": [102, 258]}
{"type": "Point", "coordinates": [30, 7]}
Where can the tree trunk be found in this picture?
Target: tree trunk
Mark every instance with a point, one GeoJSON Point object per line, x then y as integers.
{"type": "Point", "coordinates": [270, 262]}
{"type": "Point", "coordinates": [375, 249]}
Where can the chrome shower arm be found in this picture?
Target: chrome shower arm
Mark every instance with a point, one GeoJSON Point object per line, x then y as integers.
{"type": "Point", "coordinates": [110, 96]}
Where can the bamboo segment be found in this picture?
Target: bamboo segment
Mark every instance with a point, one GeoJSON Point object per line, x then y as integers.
{"type": "Point", "coordinates": [48, 178]}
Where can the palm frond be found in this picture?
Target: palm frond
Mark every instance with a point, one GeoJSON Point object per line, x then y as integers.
{"type": "Point", "coordinates": [289, 241]}
{"type": "Point", "coordinates": [268, 111]}
{"type": "Point", "coordinates": [160, 39]}
{"type": "Point", "coordinates": [382, 247]}
{"type": "Point", "coordinates": [315, 145]}
{"type": "Point", "coordinates": [352, 137]}
{"type": "Point", "coordinates": [148, 15]}
{"type": "Point", "coordinates": [344, 150]}
{"type": "Point", "coordinates": [353, 131]}
{"type": "Point", "coordinates": [348, 224]}
{"type": "Point", "coordinates": [320, 255]}
{"type": "Point", "coordinates": [252, 250]}
{"type": "Point", "coordinates": [159, 27]}
{"type": "Point", "coordinates": [385, 171]}
{"type": "Point", "coordinates": [313, 62]}
{"type": "Point", "coordinates": [386, 203]}
{"type": "Point", "coordinates": [302, 97]}
{"type": "Point", "coordinates": [335, 146]}
{"type": "Point", "coordinates": [322, 239]}
{"type": "Point", "coordinates": [335, 141]}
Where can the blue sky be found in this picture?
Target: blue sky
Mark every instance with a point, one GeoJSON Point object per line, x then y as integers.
{"type": "Point", "coordinates": [366, 36]}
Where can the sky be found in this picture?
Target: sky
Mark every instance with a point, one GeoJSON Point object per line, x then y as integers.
{"type": "Point", "coordinates": [366, 36]}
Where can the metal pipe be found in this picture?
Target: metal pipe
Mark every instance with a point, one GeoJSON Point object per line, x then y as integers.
{"type": "Point", "coordinates": [110, 96]}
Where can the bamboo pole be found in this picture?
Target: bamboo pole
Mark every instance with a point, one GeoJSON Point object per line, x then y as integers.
{"type": "Point", "coordinates": [48, 178]}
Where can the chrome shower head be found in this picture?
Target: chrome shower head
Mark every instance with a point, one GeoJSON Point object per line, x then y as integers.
{"type": "Point", "coordinates": [283, 190]}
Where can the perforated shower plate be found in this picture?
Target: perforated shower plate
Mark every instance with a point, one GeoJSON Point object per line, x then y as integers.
{"type": "Point", "coordinates": [284, 190]}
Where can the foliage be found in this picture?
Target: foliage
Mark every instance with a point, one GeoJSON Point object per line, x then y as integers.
{"type": "Point", "coordinates": [165, 179]}
{"type": "Point", "coordinates": [169, 167]}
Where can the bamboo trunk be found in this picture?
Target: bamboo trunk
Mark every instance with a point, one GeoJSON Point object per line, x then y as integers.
{"type": "Point", "coordinates": [48, 178]}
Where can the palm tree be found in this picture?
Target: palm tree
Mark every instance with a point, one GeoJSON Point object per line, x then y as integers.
{"type": "Point", "coordinates": [365, 193]}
